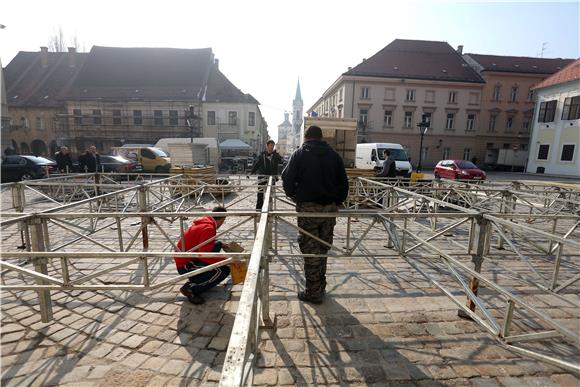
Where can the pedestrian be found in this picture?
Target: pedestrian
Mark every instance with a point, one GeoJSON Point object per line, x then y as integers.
{"type": "Point", "coordinates": [201, 231]}
{"type": "Point", "coordinates": [90, 161]}
{"type": "Point", "coordinates": [63, 160]}
{"type": "Point", "coordinates": [266, 165]}
{"type": "Point", "coordinates": [389, 166]}
{"type": "Point", "coordinates": [316, 180]}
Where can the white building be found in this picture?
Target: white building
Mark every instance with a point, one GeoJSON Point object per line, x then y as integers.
{"type": "Point", "coordinates": [556, 125]}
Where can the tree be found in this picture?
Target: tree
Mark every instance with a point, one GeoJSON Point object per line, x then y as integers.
{"type": "Point", "coordinates": [57, 42]}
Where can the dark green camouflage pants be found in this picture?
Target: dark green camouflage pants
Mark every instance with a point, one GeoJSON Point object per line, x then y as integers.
{"type": "Point", "coordinates": [323, 228]}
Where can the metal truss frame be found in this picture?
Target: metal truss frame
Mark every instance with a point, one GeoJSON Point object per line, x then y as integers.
{"type": "Point", "coordinates": [418, 220]}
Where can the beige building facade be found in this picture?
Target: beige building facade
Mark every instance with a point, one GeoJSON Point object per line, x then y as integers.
{"type": "Point", "coordinates": [114, 96]}
{"type": "Point", "coordinates": [508, 99]}
{"type": "Point", "coordinates": [389, 107]}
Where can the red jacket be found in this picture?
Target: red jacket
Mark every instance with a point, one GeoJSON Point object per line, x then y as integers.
{"type": "Point", "coordinates": [200, 231]}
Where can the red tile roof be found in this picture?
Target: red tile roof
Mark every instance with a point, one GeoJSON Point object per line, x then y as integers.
{"type": "Point", "coordinates": [520, 64]}
{"type": "Point", "coordinates": [418, 59]}
{"type": "Point", "coordinates": [567, 74]}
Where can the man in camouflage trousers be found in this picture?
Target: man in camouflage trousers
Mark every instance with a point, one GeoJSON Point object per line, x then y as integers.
{"type": "Point", "coordinates": [316, 180]}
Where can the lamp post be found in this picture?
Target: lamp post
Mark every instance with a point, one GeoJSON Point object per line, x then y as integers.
{"type": "Point", "coordinates": [423, 127]}
{"type": "Point", "coordinates": [192, 122]}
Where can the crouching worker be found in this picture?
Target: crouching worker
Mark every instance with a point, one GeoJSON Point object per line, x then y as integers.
{"type": "Point", "coordinates": [200, 231]}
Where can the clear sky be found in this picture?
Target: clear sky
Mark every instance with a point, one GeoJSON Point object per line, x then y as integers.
{"type": "Point", "coordinates": [265, 46]}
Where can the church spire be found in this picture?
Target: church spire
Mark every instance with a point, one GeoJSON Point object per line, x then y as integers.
{"type": "Point", "coordinates": [298, 94]}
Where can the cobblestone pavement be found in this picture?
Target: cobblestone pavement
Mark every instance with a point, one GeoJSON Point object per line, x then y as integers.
{"type": "Point", "coordinates": [381, 324]}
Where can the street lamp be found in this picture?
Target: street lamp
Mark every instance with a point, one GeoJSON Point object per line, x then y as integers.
{"type": "Point", "coordinates": [423, 127]}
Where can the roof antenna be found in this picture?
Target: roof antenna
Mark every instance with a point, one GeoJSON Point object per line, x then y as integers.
{"type": "Point", "coordinates": [544, 49]}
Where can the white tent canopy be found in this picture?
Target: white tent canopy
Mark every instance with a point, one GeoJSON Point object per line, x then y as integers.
{"type": "Point", "coordinates": [234, 144]}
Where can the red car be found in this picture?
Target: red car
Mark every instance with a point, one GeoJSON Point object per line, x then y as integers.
{"type": "Point", "coordinates": [458, 169]}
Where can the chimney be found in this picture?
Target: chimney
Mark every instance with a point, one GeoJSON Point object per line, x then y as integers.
{"type": "Point", "coordinates": [460, 49]}
{"type": "Point", "coordinates": [349, 68]}
{"type": "Point", "coordinates": [44, 56]}
{"type": "Point", "coordinates": [217, 63]}
{"type": "Point", "coordinates": [72, 57]}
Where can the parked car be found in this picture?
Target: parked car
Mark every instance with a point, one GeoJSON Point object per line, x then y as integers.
{"type": "Point", "coordinates": [17, 168]}
{"type": "Point", "coordinates": [458, 169]}
{"type": "Point", "coordinates": [119, 164]}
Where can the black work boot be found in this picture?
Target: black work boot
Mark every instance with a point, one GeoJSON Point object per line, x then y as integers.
{"type": "Point", "coordinates": [308, 297]}
{"type": "Point", "coordinates": [195, 299]}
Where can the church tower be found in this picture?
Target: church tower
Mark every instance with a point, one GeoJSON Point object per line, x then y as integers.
{"type": "Point", "coordinates": [297, 117]}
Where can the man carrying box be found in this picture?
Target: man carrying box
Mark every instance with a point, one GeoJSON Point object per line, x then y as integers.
{"type": "Point", "coordinates": [200, 231]}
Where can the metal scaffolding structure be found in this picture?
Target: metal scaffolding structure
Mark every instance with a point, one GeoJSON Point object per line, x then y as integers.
{"type": "Point", "coordinates": [447, 231]}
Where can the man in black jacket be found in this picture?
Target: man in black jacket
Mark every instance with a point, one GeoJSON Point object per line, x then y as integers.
{"type": "Point", "coordinates": [316, 180]}
{"type": "Point", "coordinates": [90, 161]}
{"type": "Point", "coordinates": [266, 165]}
{"type": "Point", "coordinates": [63, 160]}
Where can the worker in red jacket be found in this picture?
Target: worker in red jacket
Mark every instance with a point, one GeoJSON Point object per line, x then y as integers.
{"type": "Point", "coordinates": [200, 231]}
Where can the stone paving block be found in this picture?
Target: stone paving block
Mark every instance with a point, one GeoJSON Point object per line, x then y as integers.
{"type": "Point", "coordinates": [175, 367]}
{"type": "Point", "coordinates": [219, 343]}
{"type": "Point", "coordinates": [154, 363]}
{"type": "Point", "coordinates": [484, 382]}
{"type": "Point", "coordinates": [266, 377]}
{"type": "Point", "coordinates": [134, 341]}
{"type": "Point", "coordinates": [76, 375]}
{"type": "Point", "coordinates": [118, 354]}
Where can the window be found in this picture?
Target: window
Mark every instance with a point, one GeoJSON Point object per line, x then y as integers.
{"type": "Point", "coordinates": [450, 119]}
{"type": "Point", "coordinates": [430, 96]}
{"type": "Point", "coordinates": [137, 117]}
{"type": "Point", "coordinates": [97, 117]}
{"type": "Point", "coordinates": [530, 95]}
{"type": "Point", "coordinates": [410, 95]}
{"type": "Point", "coordinates": [148, 153]}
{"type": "Point", "coordinates": [211, 117]}
{"type": "Point", "coordinates": [408, 120]}
{"type": "Point", "coordinates": [466, 153]}
{"type": "Point", "coordinates": [509, 123]}
{"type": "Point", "coordinates": [78, 116]}
{"type": "Point", "coordinates": [173, 118]}
{"type": "Point", "coordinates": [158, 117]}
{"type": "Point", "coordinates": [470, 121]}
{"type": "Point", "coordinates": [473, 98]}
{"type": "Point", "coordinates": [571, 109]}
{"type": "Point", "coordinates": [251, 119]}
{"type": "Point", "coordinates": [388, 118]}
{"type": "Point", "coordinates": [547, 111]}
{"type": "Point", "coordinates": [496, 93]}
{"type": "Point", "coordinates": [514, 94]}
{"type": "Point", "coordinates": [427, 117]}
{"type": "Point", "coordinates": [526, 126]}
{"type": "Point", "coordinates": [233, 118]}
{"type": "Point", "coordinates": [389, 94]}
{"type": "Point", "coordinates": [568, 152]}
{"type": "Point", "coordinates": [452, 97]}
{"type": "Point", "coordinates": [492, 121]}
{"type": "Point", "coordinates": [340, 95]}
{"type": "Point", "coordinates": [543, 152]}
{"type": "Point", "coordinates": [446, 153]}
{"type": "Point", "coordinates": [363, 117]}
{"type": "Point", "coordinates": [364, 94]}
{"type": "Point", "coordinates": [39, 123]}
{"type": "Point", "coordinates": [116, 117]}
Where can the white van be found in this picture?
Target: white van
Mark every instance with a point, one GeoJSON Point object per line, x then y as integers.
{"type": "Point", "coordinates": [370, 156]}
